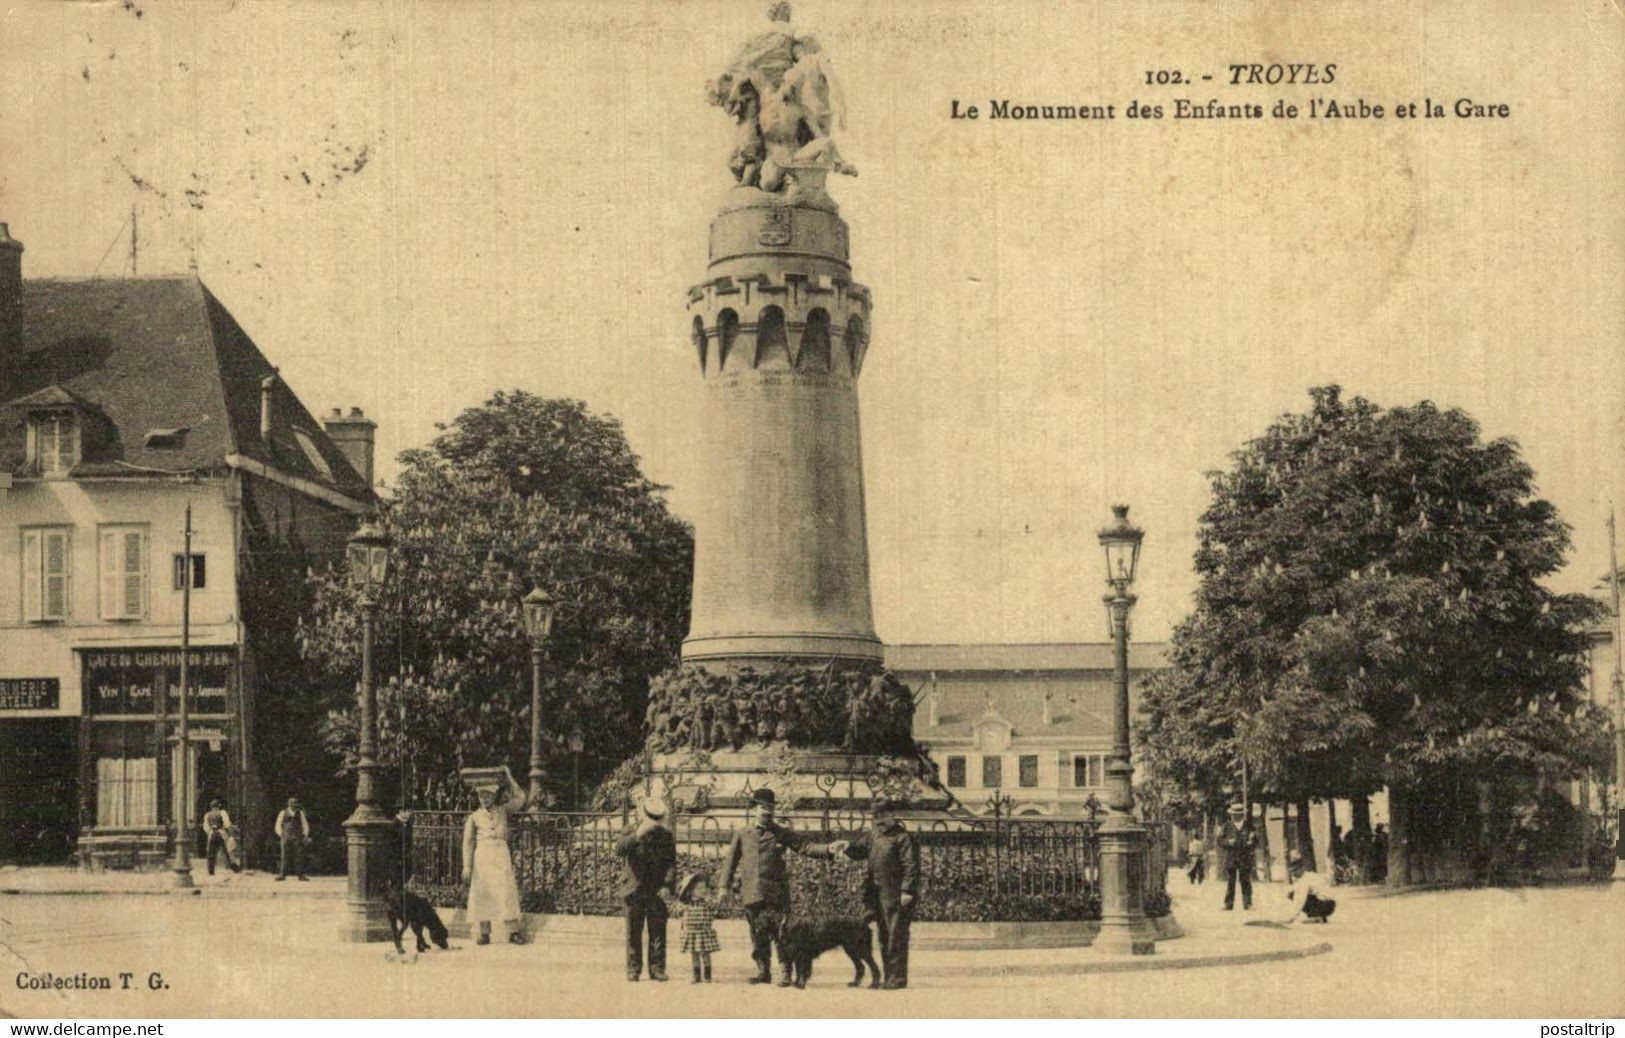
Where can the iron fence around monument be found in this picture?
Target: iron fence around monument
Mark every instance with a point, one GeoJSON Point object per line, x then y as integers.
{"type": "Point", "coordinates": [972, 869]}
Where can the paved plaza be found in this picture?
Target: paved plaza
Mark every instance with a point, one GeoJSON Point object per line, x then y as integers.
{"type": "Point", "coordinates": [266, 949]}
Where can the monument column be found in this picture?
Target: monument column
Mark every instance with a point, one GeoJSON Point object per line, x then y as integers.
{"type": "Point", "coordinates": [780, 330]}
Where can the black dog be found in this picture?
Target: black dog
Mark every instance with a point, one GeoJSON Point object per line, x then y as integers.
{"type": "Point", "coordinates": [803, 940]}
{"type": "Point", "coordinates": [407, 909]}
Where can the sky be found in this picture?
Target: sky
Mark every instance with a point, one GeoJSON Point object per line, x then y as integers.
{"type": "Point", "coordinates": [411, 205]}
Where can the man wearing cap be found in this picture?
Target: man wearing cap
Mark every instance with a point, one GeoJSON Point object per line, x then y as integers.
{"type": "Point", "coordinates": [756, 857]}
{"type": "Point", "coordinates": [649, 854]}
{"type": "Point", "coordinates": [1237, 843]}
{"type": "Point", "coordinates": [293, 832]}
{"type": "Point", "coordinates": [215, 823]}
{"type": "Point", "coordinates": [891, 884]}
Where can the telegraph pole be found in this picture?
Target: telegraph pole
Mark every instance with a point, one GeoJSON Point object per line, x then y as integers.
{"type": "Point", "coordinates": [1619, 682]}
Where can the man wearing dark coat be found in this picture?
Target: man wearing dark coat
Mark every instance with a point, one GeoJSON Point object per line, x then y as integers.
{"type": "Point", "coordinates": [649, 855]}
{"type": "Point", "coordinates": [891, 885]}
{"type": "Point", "coordinates": [1237, 844]}
{"type": "Point", "coordinates": [756, 857]}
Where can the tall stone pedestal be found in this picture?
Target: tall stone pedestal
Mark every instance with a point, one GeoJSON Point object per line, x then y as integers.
{"type": "Point", "coordinates": [372, 842]}
{"type": "Point", "coordinates": [779, 331]}
{"type": "Point", "coordinates": [1124, 927]}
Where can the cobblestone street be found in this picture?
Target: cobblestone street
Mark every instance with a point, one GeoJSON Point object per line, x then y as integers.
{"type": "Point", "coordinates": [1549, 952]}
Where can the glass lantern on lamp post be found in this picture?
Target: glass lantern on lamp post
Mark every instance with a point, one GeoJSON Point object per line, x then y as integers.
{"type": "Point", "coordinates": [368, 832]}
{"type": "Point", "coordinates": [538, 611]}
{"type": "Point", "coordinates": [1124, 927]}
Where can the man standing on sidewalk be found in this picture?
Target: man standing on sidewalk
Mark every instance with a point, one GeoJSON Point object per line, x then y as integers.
{"type": "Point", "coordinates": [215, 824]}
{"type": "Point", "coordinates": [891, 884]}
{"type": "Point", "coordinates": [1237, 844]}
{"type": "Point", "coordinates": [649, 856]}
{"type": "Point", "coordinates": [293, 832]}
{"type": "Point", "coordinates": [756, 856]}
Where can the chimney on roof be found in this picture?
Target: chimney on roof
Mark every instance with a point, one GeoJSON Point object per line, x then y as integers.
{"type": "Point", "coordinates": [354, 435]}
{"type": "Point", "coordinates": [267, 411]}
{"type": "Point", "coordinates": [11, 297]}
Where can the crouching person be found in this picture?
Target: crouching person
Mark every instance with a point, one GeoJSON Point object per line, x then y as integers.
{"type": "Point", "coordinates": [891, 884]}
{"type": "Point", "coordinates": [1308, 893]}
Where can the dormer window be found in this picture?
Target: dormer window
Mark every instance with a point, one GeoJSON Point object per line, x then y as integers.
{"type": "Point", "coordinates": [313, 454]}
{"type": "Point", "coordinates": [53, 447]}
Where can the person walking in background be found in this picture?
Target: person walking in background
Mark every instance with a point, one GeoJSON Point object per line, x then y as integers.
{"type": "Point", "coordinates": [216, 823]}
{"type": "Point", "coordinates": [493, 890]}
{"type": "Point", "coordinates": [1378, 869]}
{"type": "Point", "coordinates": [1238, 843]}
{"type": "Point", "coordinates": [293, 833]}
{"type": "Point", "coordinates": [756, 857]}
{"type": "Point", "coordinates": [648, 854]}
{"type": "Point", "coordinates": [699, 930]}
{"type": "Point", "coordinates": [1198, 855]}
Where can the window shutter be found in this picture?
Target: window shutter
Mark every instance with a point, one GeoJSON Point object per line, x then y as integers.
{"type": "Point", "coordinates": [31, 575]}
{"type": "Point", "coordinates": [111, 576]}
{"type": "Point", "coordinates": [55, 551]}
{"type": "Point", "coordinates": [134, 577]}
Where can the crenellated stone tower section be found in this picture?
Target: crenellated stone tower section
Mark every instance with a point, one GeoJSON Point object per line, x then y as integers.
{"type": "Point", "coordinates": [779, 332]}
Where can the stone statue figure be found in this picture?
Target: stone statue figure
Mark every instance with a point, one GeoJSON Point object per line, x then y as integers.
{"type": "Point", "coordinates": [786, 104]}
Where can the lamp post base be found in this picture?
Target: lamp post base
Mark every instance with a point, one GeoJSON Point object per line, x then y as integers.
{"type": "Point", "coordinates": [370, 841]}
{"type": "Point", "coordinates": [1124, 927]}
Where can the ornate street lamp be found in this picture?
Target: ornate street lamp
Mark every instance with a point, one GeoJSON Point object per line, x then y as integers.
{"type": "Point", "coordinates": [368, 831]}
{"type": "Point", "coordinates": [1124, 927]}
{"type": "Point", "coordinates": [538, 610]}
{"type": "Point", "coordinates": [577, 743]}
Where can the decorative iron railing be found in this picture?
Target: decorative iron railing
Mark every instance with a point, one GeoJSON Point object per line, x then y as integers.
{"type": "Point", "coordinates": [972, 869]}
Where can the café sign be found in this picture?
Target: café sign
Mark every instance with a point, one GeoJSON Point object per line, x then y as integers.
{"type": "Point", "coordinates": [154, 658]}
{"type": "Point", "coordinates": [30, 693]}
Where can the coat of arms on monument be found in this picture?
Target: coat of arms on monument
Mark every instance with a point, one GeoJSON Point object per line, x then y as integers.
{"type": "Point", "coordinates": [775, 227]}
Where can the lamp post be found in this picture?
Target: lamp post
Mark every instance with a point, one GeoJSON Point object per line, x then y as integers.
{"type": "Point", "coordinates": [368, 831]}
{"type": "Point", "coordinates": [183, 814]}
{"type": "Point", "coordinates": [578, 742]}
{"type": "Point", "coordinates": [538, 610]}
{"type": "Point", "coordinates": [1124, 928]}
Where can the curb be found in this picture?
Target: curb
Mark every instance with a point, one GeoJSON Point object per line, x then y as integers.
{"type": "Point", "coordinates": [605, 931]}
{"type": "Point", "coordinates": [193, 892]}
{"type": "Point", "coordinates": [1133, 964]}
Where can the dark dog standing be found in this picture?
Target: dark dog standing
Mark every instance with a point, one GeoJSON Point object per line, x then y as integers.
{"type": "Point", "coordinates": [803, 940]}
{"type": "Point", "coordinates": [408, 909]}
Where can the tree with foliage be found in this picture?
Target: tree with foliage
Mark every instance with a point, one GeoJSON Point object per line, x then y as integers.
{"type": "Point", "coordinates": [1371, 612]}
{"type": "Point", "coordinates": [520, 492]}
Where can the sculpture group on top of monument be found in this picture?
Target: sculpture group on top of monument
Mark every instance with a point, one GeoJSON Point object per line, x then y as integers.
{"type": "Point", "coordinates": [786, 102]}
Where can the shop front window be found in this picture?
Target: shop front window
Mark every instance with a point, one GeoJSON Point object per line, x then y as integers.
{"type": "Point", "coordinates": [126, 792]}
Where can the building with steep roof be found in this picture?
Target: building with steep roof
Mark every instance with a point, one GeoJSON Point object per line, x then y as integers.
{"type": "Point", "coordinates": [125, 405]}
{"type": "Point", "coordinates": [1029, 722]}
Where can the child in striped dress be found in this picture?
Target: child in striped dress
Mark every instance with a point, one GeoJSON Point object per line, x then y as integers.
{"type": "Point", "coordinates": [699, 931]}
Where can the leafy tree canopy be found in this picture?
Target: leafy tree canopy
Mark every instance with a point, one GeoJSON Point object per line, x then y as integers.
{"type": "Point", "coordinates": [520, 492]}
{"type": "Point", "coordinates": [1370, 610]}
